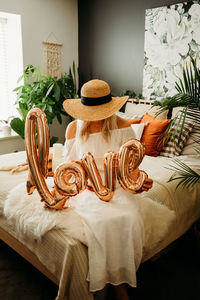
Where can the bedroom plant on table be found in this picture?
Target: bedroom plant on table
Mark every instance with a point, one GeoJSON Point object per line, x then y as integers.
{"type": "Point", "coordinates": [45, 92]}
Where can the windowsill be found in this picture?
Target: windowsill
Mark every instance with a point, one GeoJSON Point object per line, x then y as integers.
{"type": "Point", "coordinates": [9, 137]}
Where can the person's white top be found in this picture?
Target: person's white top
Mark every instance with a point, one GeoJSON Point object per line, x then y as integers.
{"type": "Point", "coordinates": [114, 230]}
{"type": "Point", "coordinates": [75, 148]}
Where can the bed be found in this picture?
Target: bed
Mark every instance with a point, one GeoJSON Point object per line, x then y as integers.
{"type": "Point", "coordinates": [63, 258]}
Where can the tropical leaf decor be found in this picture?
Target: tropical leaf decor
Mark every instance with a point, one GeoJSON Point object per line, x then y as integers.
{"type": "Point", "coordinates": [188, 98]}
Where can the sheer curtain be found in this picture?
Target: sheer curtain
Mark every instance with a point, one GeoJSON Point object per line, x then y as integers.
{"type": "Point", "coordinates": [11, 62]}
{"type": "Point", "coordinates": [4, 86]}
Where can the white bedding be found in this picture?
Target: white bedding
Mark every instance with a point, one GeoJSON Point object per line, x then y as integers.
{"type": "Point", "coordinates": [185, 204]}
{"type": "Point", "coordinates": [89, 219]}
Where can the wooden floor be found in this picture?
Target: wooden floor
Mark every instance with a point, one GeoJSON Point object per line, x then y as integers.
{"type": "Point", "coordinates": [174, 276]}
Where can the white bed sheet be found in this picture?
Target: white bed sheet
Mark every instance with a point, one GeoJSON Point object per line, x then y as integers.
{"type": "Point", "coordinates": [186, 205]}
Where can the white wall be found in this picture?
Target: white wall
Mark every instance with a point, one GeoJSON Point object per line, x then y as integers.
{"type": "Point", "coordinates": [40, 18]}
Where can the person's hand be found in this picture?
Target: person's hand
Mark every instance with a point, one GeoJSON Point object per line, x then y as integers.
{"type": "Point", "coordinates": [148, 183]}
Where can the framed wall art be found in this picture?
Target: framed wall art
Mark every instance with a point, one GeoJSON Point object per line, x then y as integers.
{"type": "Point", "coordinates": [172, 34]}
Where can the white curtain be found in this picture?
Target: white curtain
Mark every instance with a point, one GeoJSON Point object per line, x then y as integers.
{"type": "Point", "coordinates": [11, 62]}
{"type": "Point", "coordinates": [4, 85]}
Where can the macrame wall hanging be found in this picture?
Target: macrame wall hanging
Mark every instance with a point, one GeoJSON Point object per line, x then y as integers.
{"type": "Point", "coordinates": [52, 54]}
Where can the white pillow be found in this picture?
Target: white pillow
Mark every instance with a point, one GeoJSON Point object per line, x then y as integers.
{"type": "Point", "coordinates": [190, 146]}
{"type": "Point", "coordinates": [176, 110]}
{"type": "Point", "coordinates": [129, 115]}
{"type": "Point", "coordinates": [138, 130]}
{"type": "Point", "coordinates": [141, 109]}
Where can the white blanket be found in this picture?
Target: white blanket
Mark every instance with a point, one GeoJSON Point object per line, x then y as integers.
{"type": "Point", "coordinates": [112, 231]}
{"type": "Point", "coordinates": [28, 215]}
{"type": "Point", "coordinates": [30, 218]}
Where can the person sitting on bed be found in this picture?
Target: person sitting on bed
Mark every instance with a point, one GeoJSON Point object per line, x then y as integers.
{"type": "Point", "coordinates": [114, 230]}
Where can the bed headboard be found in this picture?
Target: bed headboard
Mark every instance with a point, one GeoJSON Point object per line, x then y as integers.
{"type": "Point", "coordinates": [141, 101]}
{"type": "Point", "coordinates": [141, 106]}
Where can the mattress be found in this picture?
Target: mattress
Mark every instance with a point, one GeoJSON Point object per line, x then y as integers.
{"type": "Point", "coordinates": [66, 257]}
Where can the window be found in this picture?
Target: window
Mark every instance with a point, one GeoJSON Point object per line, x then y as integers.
{"type": "Point", "coordinates": [11, 62]}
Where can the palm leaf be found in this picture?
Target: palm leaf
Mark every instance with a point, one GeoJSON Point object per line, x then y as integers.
{"type": "Point", "coordinates": [188, 88]}
{"type": "Point", "coordinates": [190, 83]}
{"type": "Point", "coordinates": [187, 97]}
{"type": "Point", "coordinates": [181, 85]}
{"type": "Point", "coordinates": [186, 84]}
{"type": "Point", "coordinates": [178, 87]}
{"type": "Point", "coordinates": [187, 176]}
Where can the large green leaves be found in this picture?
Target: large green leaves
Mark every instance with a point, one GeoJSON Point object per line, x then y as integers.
{"type": "Point", "coordinates": [188, 98]}
{"type": "Point", "coordinates": [18, 126]}
{"type": "Point", "coordinates": [45, 92]}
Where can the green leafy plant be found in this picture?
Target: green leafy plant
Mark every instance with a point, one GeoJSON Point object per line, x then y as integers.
{"type": "Point", "coordinates": [45, 92]}
{"type": "Point", "coordinates": [131, 94]}
{"type": "Point", "coordinates": [188, 98]}
{"type": "Point", "coordinates": [187, 176]}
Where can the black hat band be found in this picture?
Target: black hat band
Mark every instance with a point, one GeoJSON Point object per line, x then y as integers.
{"type": "Point", "coordinates": [95, 101]}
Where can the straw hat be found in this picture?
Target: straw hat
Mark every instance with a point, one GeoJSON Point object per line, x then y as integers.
{"type": "Point", "coordinates": [96, 102]}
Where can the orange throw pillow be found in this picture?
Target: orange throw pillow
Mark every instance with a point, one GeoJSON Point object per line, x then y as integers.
{"type": "Point", "coordinates": [134, 121]}
{"type": "Point", "coordinates": [153, 134]}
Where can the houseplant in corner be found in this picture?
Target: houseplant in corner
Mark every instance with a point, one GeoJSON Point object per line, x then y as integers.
{"type": "Point", "coordinates": [188, 98]}
{"type": "Point", "coordinates": [131, 94]}
{"type": "Point", "coordinates": [45, 92]}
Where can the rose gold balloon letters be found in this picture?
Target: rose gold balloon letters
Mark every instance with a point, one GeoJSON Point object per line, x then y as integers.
{"type": "Point", "coordinates": [104, 192]}
{"type": "Point", "coordinates": [71, 177]}
{"type": "Point", "coordinates": [130, 157]}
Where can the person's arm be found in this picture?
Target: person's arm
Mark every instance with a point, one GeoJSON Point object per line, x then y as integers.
{"type": "Point", "coordinates": [70, 132]}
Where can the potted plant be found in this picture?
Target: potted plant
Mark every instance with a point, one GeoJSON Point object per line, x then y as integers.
{"type": "Point", "coordinates": [188, 98]}
{"type": "Point", "coordinates": [131, 94]}
{"type": "Point", "coordinates": [45, 92]}
{"type": "Point", "coordinates": [5, 127]}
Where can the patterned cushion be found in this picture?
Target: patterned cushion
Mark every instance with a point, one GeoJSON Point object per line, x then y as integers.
{"type": "Point", "coordinates": [193, 141]}
{"type": "Point", "coordinates": [172, 147]}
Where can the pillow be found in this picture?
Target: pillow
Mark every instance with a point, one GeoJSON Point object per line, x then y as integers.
{"type": "Point", "coordinates": [141, 109]}
{"type": "Point", "coordinates": [191, 143]}
{"type": "Point", "coordinates": [138, 130]}
{"type": "Point", "coordinates": [134, 121]}
{"type": "Point", "coordinates": [176, 110]}
{"type": "Point", "coordinates": [153, 134]}
{"type": "Point", "coordinates": [172, 148]}
{"type": "Point", "coordinates": [129, 115]}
